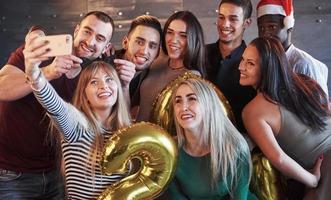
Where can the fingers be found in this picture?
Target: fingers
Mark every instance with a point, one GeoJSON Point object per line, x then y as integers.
{"type": "Point", "coordinates": [125, 78]}
{"type": "Point", "coordinates": [75, 65]}
{"type": "Point", "coordinates": [37, 44]}
{"type": "Point", "coordinates": [32, 39]}
{"type": "Point", "coordinates": [35, 48]}
{"type": "Point", "coordinates": [34, 52]}
{"type": "Point", "coordinates": [38, 54]}
{"type": "Point", "coordinates": [125, 67]}
{"type": "Point", "coordinates": [124, 62]}
{"type": "Point", "coordinates": [63, 64]}
{"type": "Point", "coordinates": [68, 61]}
{"type": "Point", "coordinates": [75, 59]}
{"type": "Point", "coordinates": [112, 51]}
{"type": "Point", "coordinates": [317, 170]}
{"type": "Point", "coordinates": [107, 53]}
{"type": "Point", "coordinates": [319, 162]}
{"type": "Point", "coordinates": [126, 70]}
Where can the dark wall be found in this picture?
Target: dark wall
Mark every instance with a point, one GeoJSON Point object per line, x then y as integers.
{"type": "Point", "coordinates": [312, 30]}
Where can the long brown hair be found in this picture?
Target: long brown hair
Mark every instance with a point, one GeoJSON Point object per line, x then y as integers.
{"type": "Point", "coordinates": [195, 55]}
{"type": "Point", "coordinates": [118, 118]}
{"type": "Point", "coordinates": [298, 93]}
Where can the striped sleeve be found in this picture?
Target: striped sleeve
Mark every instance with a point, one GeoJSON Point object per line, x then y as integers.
{"type": "Point", "coordinates": [63, 114]}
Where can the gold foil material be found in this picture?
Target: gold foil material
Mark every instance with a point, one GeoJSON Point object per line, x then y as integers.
{"type": "Point", "coordinates": [157, 153]}
{"type": "Point", "coordinates": [162, 112]}
{"type": "Point", "coordinates": [267, 183]}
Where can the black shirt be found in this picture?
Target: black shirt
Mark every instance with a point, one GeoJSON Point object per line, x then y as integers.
{"type": "Point", "coordinates": [224, 73]}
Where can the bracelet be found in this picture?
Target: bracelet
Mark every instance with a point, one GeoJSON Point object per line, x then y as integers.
{"type": "Point", "coordinates": [33, 82]}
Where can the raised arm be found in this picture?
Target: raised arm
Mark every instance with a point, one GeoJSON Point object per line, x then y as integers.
{"type": "Point", "coordinates": [68, 120]}
{"type": "Point", "coordinates": [260, 130]}
{"type": "Point", "coordinates": [13, 83]}
{"type": "Point", "coordinates": [126, 71]}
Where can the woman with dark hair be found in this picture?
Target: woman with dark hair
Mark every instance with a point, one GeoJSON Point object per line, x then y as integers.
{"type": "Point", "coordinates": [186, 27]}
{"type": "Point", "coordinates": [184, 50]}
{"type": "Point", "coordinates": [289, 119]}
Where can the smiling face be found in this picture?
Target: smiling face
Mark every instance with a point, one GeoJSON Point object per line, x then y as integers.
{"type": "Point", "coordinates": [176, 39]}
{"type": "Point", "coordinates": [250, 67]}
{"type": "Point", "coordinates": [187, 109]}
{"type": "Point", "coordinates": [101, 91]}
{"type": "Point", "coordinates": [92, 37]}
{"type": "Point", "coordinates": [142, 46]}
{"type": "Point", "coordinates": [231, 24]}
{"type": "Point", "coordinates": [272, 25]}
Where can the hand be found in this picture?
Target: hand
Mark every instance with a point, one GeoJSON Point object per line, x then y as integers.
{"type": "Point", "coordinates": [125, 70]}
{"type": "Point", "coordinates": [109, 51]}
{"type": "Point", "coordinates": [63, 65]}
{"type": "Point", "coordinates": [34, 52]}
{"type": "Point", "coordinates": [316, 171]}
{"type": "Point", "coordinates": [74, 71]}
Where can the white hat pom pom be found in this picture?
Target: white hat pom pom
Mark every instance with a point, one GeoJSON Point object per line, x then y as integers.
{"type": "Point", "coordinates": [289, 21]}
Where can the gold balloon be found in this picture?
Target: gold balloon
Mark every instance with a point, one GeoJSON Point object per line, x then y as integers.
{"type": "Point", "coordinates": [266, 182]}
{"type": "Point", "coordinates": [162, 112]}
{"type": "Point", "coordinates": [156, 151]}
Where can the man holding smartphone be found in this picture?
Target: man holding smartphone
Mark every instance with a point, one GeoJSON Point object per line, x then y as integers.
{"type": "Point", "coordinates": [224, 55]}
{"type": "Point", "coordinates": [28, 152]}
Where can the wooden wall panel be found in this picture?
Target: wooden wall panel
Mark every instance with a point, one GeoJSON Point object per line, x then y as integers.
{"type": "Point", "coordinates": [311, 33]}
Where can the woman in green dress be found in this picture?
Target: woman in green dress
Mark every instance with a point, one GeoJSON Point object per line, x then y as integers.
{"type": "Point", "coordinates": [214, 159]}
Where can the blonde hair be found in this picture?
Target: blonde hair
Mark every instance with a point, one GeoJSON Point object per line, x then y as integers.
{"type": "Point", "coordinates": [227, 146]}
{"type": "Point", "coordinates": [118, 118]}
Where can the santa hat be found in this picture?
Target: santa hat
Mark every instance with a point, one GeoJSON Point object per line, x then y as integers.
{"type": "Point", "coordinates": [277, 7]}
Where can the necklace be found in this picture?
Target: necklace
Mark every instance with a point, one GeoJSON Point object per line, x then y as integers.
{"type": "Point", "coordinates": [175, 67]}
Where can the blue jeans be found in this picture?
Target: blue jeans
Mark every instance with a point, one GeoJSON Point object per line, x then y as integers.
{"type": "Point", "coordinates": [22, 186]}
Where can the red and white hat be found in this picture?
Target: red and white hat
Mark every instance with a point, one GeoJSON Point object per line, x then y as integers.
{"type": "Point", "coordinates": [277, 7]}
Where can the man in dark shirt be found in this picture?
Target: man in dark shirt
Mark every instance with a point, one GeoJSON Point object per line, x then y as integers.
{"type": "Point", "coordinates": [225, 55]}
{"type": "Point", "coordinates": [28, 155]}
{"type": "Point", "coordinates": [141, 46]}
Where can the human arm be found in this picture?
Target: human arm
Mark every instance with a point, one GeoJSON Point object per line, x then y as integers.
{"type": "Point", "coordinates": [260, 128]}
{"type": "Point", "coordinates": [12, 79]}
{"type": "Point", "coordinates": [13, 84]}
{"type": "Point", "coordinates": [64, 115]}
{"type": "Point", "coordinates": [68, 120]}
{"type": "Point", "coordinates": [241, 187]}
{"type": "Point", "coordinates": [126, 71]}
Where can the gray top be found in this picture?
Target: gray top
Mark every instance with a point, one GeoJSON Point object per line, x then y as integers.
{"type": "Point", "coordinates": [299, 141]}
{"type": "Point", "coordinates": [159, 76]}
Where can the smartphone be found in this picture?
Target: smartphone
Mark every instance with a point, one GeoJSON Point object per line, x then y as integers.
{"type": "Point", "coordinates": [59, 45]}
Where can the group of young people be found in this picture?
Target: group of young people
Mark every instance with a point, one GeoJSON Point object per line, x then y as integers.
{"type": "Point", "coordinates": [283, 108]}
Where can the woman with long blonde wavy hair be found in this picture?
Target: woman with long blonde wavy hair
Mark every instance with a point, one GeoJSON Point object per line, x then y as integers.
{"type": "Point", "coordinates": [214, 159]}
